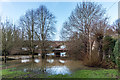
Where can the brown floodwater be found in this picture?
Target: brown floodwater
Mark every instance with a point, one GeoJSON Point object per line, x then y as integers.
{"type": "Point", "coordinates": [47, 66]}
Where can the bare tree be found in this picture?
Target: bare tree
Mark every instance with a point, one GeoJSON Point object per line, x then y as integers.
{"type": "Point", "coordinates": [83, 21]}
{"type": "Point", "coordinates": [17, 40]}
{"type": "Point", "coordinates": [38, 25]}
{"type": "Point", "coordinates": [7, 35]}
{"type": "Point", "coordinates": [45, 21]}
{"type": "Point", "coordinates": [99, 29]}
{"type": "Point", "coordinates": [27, 22]}
{"type": "Point", "coordinates": [117, 27]}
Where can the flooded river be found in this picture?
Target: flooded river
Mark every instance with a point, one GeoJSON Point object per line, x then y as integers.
{"type": "Point", "coordinates": [47, 66]}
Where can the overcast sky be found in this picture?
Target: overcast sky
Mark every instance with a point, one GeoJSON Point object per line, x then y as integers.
{"type": "Point", "coordinates": [62, 10]}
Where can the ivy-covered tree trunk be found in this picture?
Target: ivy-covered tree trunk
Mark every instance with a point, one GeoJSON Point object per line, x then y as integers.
{"type": "Point", "coordinates": [119, 56]}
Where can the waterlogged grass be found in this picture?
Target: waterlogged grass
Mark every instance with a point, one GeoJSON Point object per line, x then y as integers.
{"type": "Point", "coordinates": [13, 73]}
{"type": "Point", "coordinates": [10, 73]}
{"type": "Point", "coordinates": [106, 73]}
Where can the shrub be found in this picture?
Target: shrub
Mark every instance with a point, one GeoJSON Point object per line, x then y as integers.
{"type": "Point", "coordinates": [92, 60]}
{"type": "Point", "coordinates": [108, 64]}
{"type": "Point", "coordinates": [95, 61]}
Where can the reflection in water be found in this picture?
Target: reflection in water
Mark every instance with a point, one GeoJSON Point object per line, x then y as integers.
{"type": "Point", "coordinates": [63, 54]}
{"type": "Point", "coordinates": [50, 60]}
{"type": "Point", "coordinates": [61, 61]}
{"type": "Point", "coordinates": [24, 57]}
{"type": "Point", "coordinates": [37, 60]}
{"type": "Point", "coordinates": [50, 54]}
{"type": "Point", "coordinates": [39, 54]}
{"type": "Point", "coordinates": [25, 60]}
{"type": "Point", "coordinates": [58, 70]}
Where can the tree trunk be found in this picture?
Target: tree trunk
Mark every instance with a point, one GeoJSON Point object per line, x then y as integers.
{"type": "Point", "coordinates": [32, 54]}
{"type": "Point", "coordinates": [43, 55]}
{"type": "Point", "coordinates": [32, 35]}
{"type": "Point", "coordinates": [100, 51]}
{"type": "Point", "coordinates": [5, 57]}
{"type": "Point", "coordinates": [43, 52]}
{"type": "Point", "coordinates": [43, 48]}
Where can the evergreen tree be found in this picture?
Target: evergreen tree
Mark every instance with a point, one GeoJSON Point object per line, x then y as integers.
{"type": "Point", "coordinates": [116, 53]}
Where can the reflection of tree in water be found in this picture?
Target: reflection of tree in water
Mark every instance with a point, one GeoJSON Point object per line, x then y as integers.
{"type": "Point", "coordinates": [38, 70]}
{"type": "Point", "coordinates": [46, 67]}
{"type": "Point", "coordinates": [43, 66]}
{"type": "Point", "coordinates": [33, 65]}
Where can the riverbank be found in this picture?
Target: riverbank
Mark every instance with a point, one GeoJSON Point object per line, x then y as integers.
{"type": "Point", "coordinates": [103, 73]}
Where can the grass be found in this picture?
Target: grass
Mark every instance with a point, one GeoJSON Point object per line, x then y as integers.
{"type": "Point", "coordinates": [103, 73]}
{"type": "Point", "coordinates": [13, 73]}
{"type": "Point", "coordinates": [60, 76]}
{"type": "Point", "coordinates": [10, 73]}
{"type": "Point", "coordinates": [106, 73]}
